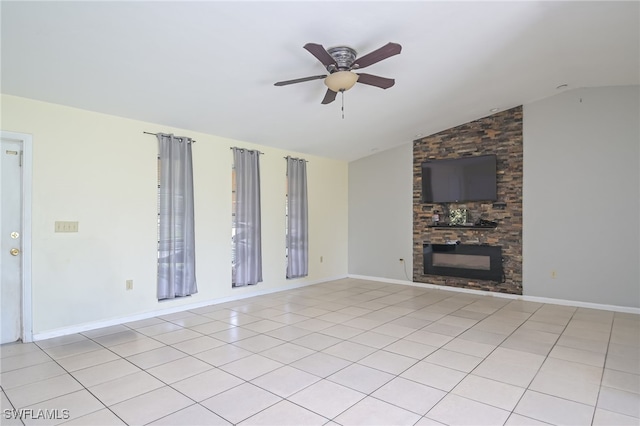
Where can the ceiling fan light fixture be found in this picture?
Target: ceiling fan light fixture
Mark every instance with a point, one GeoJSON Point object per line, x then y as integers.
{"type": "Point", "coordinates": [341, 80]}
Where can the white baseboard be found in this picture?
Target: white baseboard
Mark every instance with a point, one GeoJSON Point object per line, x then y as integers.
{"type": "Point", "coordinates": [563, 302]}
{"type": "Point", "coordinates": [382, 280]}
{"type": "Point", "coordinates": [79, 328]}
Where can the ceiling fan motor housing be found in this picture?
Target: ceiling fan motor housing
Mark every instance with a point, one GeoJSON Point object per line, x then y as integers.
{"type": "Point", "coordinates": [344, 57]}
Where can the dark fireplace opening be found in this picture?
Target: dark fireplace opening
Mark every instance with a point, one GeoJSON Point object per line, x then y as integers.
{"type": "Point", "coordinates": [463, 260]}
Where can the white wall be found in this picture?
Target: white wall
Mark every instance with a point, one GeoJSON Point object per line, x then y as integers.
{"type": "Point", "coordinates": [581, 196]}
{"type": "Point", "coordinates": [381, 214]}
{"type": "Point", "coordinates": [100, 170]}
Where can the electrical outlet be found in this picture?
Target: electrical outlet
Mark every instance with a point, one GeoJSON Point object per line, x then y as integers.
{"type": "Point", "coordinates": [129, 284]}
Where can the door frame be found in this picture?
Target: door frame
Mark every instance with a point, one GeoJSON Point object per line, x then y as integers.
{"type": "Point", "coordinates": [26, 326]}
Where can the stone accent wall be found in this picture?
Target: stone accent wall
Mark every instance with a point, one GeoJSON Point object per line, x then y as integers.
{"type": "Point", "coordinates": [499, 134]}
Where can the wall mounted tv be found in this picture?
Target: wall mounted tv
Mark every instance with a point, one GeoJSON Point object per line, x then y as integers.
{"type": "Point", "coordinates": [459, 179]}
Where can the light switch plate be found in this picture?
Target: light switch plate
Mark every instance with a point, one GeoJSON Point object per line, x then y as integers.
{"type": "Point", "coordinates": [64, 226]}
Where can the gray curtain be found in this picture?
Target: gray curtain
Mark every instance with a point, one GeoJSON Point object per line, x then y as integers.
{"type": "Point", "coordinates": [298, 219]}
{"type": "Point", "coordinates": [247, 241]}
{"type": "Point", "coordinates": [176, 236]}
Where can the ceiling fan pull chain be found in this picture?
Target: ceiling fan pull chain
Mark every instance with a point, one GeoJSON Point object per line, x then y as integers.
{"type": "Point", "coordinates": [342, 91]}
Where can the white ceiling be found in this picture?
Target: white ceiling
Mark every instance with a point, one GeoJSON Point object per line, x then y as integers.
{"type": "Point", "coordinates": [210, 66]}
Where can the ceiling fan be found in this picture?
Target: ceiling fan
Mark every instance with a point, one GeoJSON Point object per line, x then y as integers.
{"type": "Point", "coordinates": [340, 63]}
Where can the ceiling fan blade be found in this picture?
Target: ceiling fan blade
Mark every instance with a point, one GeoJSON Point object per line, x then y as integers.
{"type": "Point", "coordinates": [374, 80]}
{"type": "Point", "coordinates": [329, 97]}
{"type": "Point", "coordinates": [378, 55]}
{"type": "Point", "coordinates": [320, 53]}
{"type": "Point", "coordinates": [299, 80]}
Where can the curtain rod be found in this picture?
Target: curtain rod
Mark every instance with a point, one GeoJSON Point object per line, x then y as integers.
{"type": "Point", "coordinates": [254, 150]}
{"type": "Point", "coordinates": [156, 134]}
{"type": "Point", "coordinates": [294, 158]}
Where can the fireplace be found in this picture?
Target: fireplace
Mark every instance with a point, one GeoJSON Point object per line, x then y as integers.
{"type": "Point", "coordinates": [464, 260]}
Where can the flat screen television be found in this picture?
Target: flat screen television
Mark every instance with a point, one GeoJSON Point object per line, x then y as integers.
{"type": "Point", "coordinates": [461, 179]}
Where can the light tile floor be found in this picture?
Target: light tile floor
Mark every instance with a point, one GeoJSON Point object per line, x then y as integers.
{"type": "Point", "coordinates": [347, 352]}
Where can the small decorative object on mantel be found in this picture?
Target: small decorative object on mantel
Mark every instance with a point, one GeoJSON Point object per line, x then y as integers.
{"type": "Point", "coordinates": [435, 217]}
{"type": "Point", "coordinates": [458, 216]}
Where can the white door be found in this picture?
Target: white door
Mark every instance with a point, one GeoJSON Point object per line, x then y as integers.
{"type": "Point", "coordinates": [11, 237]}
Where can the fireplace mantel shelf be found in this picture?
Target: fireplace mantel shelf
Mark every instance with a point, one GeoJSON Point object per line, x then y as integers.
{"type": "Point", "coordinates": [462, 226]}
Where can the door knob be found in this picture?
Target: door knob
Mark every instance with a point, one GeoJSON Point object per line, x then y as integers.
{"type": "Point", "coordinates": [14, 251]}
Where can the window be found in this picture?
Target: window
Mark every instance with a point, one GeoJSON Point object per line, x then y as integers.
{"type": "Point", "coordinates": [176, 236]}
{"type": "Point", "coordinates": [246, 228]}
{"type": "Point", "coordinates": [297, 219]}
{"type": "Point", "coordinates": [234, 206]}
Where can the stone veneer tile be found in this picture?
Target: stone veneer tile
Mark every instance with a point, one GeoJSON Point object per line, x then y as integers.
{"type": "Point", "coordinates": [499, 134]}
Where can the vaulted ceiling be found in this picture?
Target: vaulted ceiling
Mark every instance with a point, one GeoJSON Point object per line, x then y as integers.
{"type": "Point", "coordinates": [210, 66]}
